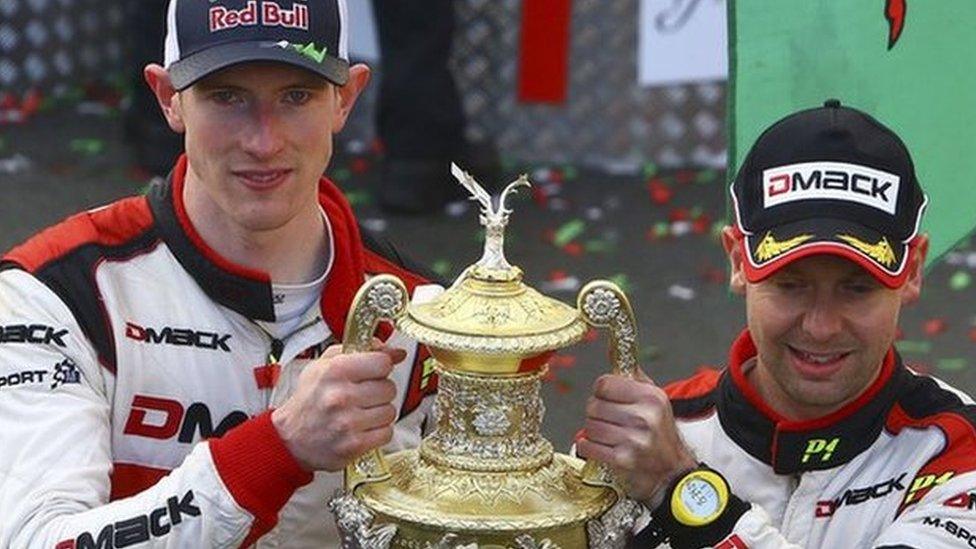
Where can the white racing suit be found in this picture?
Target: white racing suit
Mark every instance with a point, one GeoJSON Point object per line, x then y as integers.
{"type": "Point", "coordinates": [894, 468]}
{"type": "Point", "coordinates": [136, 388]}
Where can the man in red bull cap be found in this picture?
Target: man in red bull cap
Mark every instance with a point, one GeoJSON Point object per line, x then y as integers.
{"type": "Point", "coordinates": [169, 374]}
{"type": "Point", "coordinates": [815, 434]}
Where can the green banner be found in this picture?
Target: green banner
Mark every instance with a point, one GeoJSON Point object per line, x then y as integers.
{"type": "Point", "coordinates": [909, 63]}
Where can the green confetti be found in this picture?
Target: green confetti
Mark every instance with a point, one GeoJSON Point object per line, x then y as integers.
{"type": "Point", "coordinates": [341, 174]}
{"type": "Point", "coordinates": [717, 228]}
{"type": "Point", "coordinates": [960, 280]}
{"type": "Point", "coordinates": [661, 229]}
{"type": "Point", "coordinates": [358, 198]}
{"type": "Point", "coordinates": [705, 176]}
{"type": "Point", "coordinates": [650, 169]}
{"type": "Point", "coordinates": [568, 232]}
{"type": "Point", "coordinates": [622, 282]}
{"type": "Point", "coordinates": [90, 147]}
{"type": "Point", "coordinates": [952, 364]}
{"type": "Point", "coordinates": [598, 246]}
{"type": "Point", "coordinates": [696, 212]}
{"type": "Point", "coordinates": [570, 173]}
{"type": "Point", "coordinates": [914, 347]}
{"type": "Point", "coordinates": [649, 354]}
{"type": "Point", "coordinates": [441, 267]}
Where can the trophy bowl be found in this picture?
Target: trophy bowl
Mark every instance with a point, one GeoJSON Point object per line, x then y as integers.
{"type": "Point", "coordinates": [484, 477]}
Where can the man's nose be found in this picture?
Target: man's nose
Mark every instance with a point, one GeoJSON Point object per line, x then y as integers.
{"type": "Point", "coordinates": [824, 319]}
{"type": "Point", "coordinates": [264, 137]}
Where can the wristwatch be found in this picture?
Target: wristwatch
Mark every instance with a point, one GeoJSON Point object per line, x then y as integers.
{"type": "Point", "coordinates": [698, 510]}
{"type": "Point", "coordinates": [699, 497]}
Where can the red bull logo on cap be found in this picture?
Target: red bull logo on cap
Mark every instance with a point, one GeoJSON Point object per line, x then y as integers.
{"type": "Point", "coordinates": [265, 13]}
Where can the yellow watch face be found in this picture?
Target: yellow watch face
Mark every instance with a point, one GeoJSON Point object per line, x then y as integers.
{"type": "Point", "coordinates": [699, 498]}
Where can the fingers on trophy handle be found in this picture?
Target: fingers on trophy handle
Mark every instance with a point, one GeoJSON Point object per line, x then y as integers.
{"type": "Point", "coordinates": [383, 297]}
{"type": "Point", "coordinates": [603, 304]}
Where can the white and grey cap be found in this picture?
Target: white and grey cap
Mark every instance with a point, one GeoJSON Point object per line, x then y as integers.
{"type": "Point", "coordinates": [204, 36]}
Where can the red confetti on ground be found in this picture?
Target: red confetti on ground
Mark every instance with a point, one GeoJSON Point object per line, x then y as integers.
{"type": "Point", "coordinates": [556, 176]}
{"type": "Point", "coordinates": [591, 335]}
{"type": "Point", "coordinates": [32, 102]}
{"type": "Point", "coordinates": [377, 147]}
{"type": "Point", "coordinates": [359, 165]}
{"type": "Point", "coordinates": [702, 224]}
{"type": "Point", "coordinates": [557, 275]}
{"type": "Point", "coordinates": [679, 214]}
{"type": "Point", "coordinates": [685, 176]}
{"type": "Point", "coordinates": [563, 387]}
{"type": "Point", "coordinates": [899, 334]}
{"type": "Point", "coordinates": [549, 235]}
{"type": "Point", "coordinates": [713, 274]}
{"type": "Point", "coordinates": [574, 249]}
{"type": "Point", "coordinates": [935, 326]}
{"type": "Point", "coordinates": [972, 333]}
{"type": "Point", "coordinates": [660, 192]}
{"type": "Point", "coordinates": [8, 101]}
{"type": "Point", "coordinates": [539, 196]}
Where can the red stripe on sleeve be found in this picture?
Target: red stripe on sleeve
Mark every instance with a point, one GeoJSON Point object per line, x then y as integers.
{"type": "Point", "coordinates": [258, 470]}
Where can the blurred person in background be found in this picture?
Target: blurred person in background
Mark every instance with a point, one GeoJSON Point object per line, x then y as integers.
{"type": "Point", "coordinates": [419, 118]}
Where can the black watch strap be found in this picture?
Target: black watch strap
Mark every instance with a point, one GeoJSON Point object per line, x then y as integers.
{"type": "Point", "coordinates": [648, 538]}
{"type": "Point", "coordinates": [665, 526]}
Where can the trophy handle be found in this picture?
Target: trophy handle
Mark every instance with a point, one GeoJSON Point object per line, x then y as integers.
{"type": "Point", "coordinates": [604, 305]}
{"type": "Point", "coordinates": [382, 297]}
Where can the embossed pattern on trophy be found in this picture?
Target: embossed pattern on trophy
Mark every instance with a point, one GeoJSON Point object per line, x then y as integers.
{"type": "Point", "coordinates": [484, 477]}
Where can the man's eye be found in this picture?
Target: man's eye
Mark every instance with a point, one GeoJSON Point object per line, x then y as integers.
{"type": "Point", "coordinates": [860, 287]}
{"type": "Point", "coordinates": [225, 97]}
{"type": "Point", "coordinates": [298, 97]}
{"type": "Point", "coordinates": [789, 285]}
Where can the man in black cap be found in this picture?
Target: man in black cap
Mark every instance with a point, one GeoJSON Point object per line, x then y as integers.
{"type": "Point", "coordinates": [168, 373]}
{"type": "Point", "coordinates": [816, 434]}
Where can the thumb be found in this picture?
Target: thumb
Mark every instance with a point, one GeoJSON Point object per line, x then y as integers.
{"type": "Point", "coordinates": [639, 375]}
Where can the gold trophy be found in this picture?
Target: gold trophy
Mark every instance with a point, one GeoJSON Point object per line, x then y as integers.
{"type": "Point", "coordinates": [485, 477]}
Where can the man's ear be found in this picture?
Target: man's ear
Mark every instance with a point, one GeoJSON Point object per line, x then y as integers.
{"type": "Point", "coordinates": [169, 100]}
{"type": "Point", "coordinates": [913, 285]}
{"type": "Point", "coordinates": [359, 75]}
{"type": "Point", "coordinates": [737, 276]}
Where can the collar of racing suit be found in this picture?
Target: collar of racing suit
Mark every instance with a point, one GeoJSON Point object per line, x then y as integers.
{"type": "Point", "coordinates": [797, 446]}
{"type": "Point", "coordinates": [248, 291]}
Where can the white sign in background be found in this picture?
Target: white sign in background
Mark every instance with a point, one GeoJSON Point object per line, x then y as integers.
{"type": "Point", "coordinates": [363, 42]}
{"type": "Point", "coordinates": [681, 41]}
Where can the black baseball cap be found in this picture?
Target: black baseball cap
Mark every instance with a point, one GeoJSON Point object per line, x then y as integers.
{"type": "Point", "coordinates": [829, 180]}
{"type": "Point", "coordinates": [204, 36]}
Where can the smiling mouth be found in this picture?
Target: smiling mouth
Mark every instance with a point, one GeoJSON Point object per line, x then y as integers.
{"type": "Point", "coordinates": [262, 178]}
{"type": "Point", "coordinates": [818, 359]}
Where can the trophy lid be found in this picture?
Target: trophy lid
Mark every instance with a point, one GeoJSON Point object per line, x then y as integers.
{"type": "Point", "coordinates": [489, 311]}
